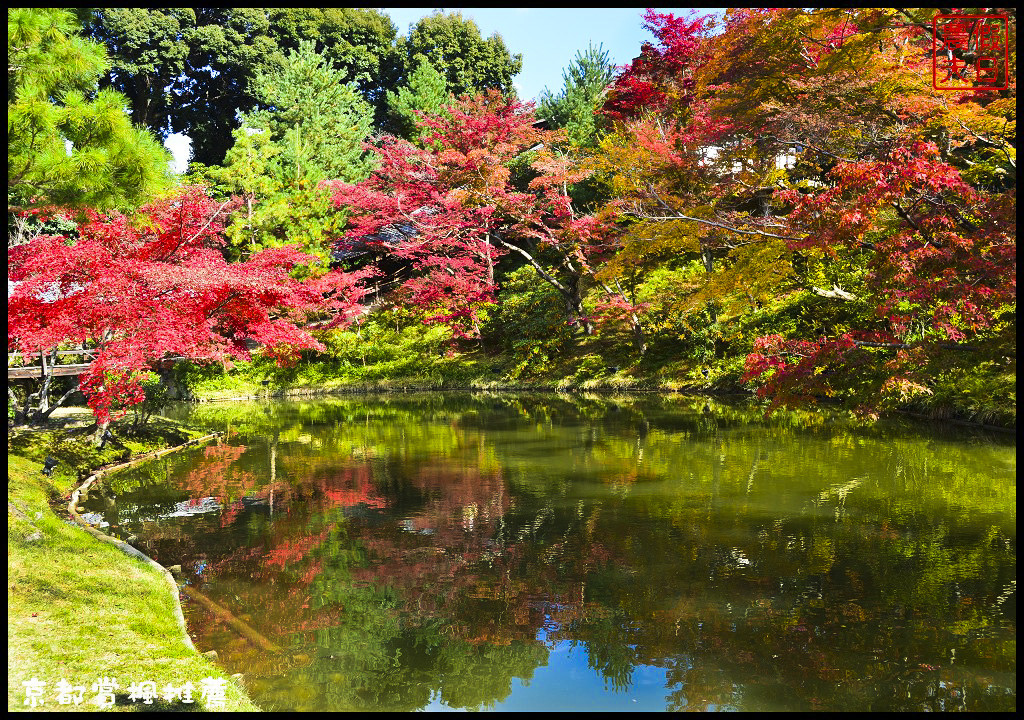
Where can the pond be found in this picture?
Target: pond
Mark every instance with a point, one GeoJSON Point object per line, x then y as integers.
{"type": "Point", "coordinates": [435, 552]}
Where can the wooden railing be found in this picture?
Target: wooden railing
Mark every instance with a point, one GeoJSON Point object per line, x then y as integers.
{"type": "Point", "coordinates": [34, 371]}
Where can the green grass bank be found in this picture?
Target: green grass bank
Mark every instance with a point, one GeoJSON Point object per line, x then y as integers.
{"type": "Point", "coordinates": [79, 609]}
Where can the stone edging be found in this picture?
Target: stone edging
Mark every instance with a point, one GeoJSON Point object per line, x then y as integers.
{"type": "Point", "coordinates": [82, 491]}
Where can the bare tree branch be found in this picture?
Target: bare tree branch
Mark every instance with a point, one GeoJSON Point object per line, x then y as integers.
{"type": "Point", "coordinates": [676, 215]}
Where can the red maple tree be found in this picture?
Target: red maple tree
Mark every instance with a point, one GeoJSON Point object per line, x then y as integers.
{"type": "Point", "coordinates": [810, 147]}
{"type": "Point", "coordinates": [450, 210]}
{"type": "Point", "coordinates": [141, 289]}
{"type": "Point", "coordinates": [941, 275]}
{"type": "Point", "coordinates": [661, 76]}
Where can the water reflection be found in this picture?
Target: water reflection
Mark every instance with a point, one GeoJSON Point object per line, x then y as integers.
{"type": "Point", "coordinates": [544, 553]}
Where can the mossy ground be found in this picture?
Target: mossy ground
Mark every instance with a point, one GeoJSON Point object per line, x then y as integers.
{"type": "Point", "coordinates": [77, 608]}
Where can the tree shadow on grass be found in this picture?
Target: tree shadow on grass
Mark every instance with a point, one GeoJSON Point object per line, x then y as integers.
{"type": "Point", "coordinates": [123, 702]}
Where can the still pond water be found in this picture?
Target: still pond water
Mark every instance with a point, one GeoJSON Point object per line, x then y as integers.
{"type": "Point", "coordinates": [555, 553]}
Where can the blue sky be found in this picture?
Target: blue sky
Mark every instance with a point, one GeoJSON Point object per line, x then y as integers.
{"type": "Point", "coordinates": [548, 39]}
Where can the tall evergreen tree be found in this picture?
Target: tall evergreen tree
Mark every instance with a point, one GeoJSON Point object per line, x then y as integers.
{"type": "Point", "coordinates": [582, 94]}
{"type": "Point", "coordinates": [455, 47]}
{"type": "Point", "coordinates": [190, 70]}
{"type": "Point", "coordinates": [360, 42]}
{"type": "Point", "coordinates": [426, 93]}
{"type": "Point", "coordinates": [317, 121]}
{"type": "Point", "coordinates": [311, 127]}
{"type": "Point", "coordinates": [149, 49]}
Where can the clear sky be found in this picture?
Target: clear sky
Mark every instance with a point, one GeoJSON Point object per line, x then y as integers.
{"type": "Point", "coordinates": [547, 38]}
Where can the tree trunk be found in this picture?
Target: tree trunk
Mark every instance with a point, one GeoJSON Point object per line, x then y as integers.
{"type": "Point", "coordinates": [708, 258]}
{"type": "Point", "coordinates": [490, 261]}
{"type": "Point", "coordinates": [141, 102]}
{"type": "Point", "coordinates": [574, 305]}
{"type": "Point", "coordinates": [570, 291]}
{"type": "Point", "coordinates": [20, 415]}
{"type": "Point", "coordinates": [101, 430]}
{"type": "Point", "coordinates": [44, 382]}
{"type": "Point", "coordinates": [638, 334]}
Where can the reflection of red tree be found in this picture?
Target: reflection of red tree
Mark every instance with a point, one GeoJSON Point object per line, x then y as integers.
{"type": "Point", "coordinates": [448, 559]}
{"type": "Point", "coordinates": [461, 504]}
{"type": "Point", "coordinates": [218, 475]}
{"type": "Point", "coordinates": [288, 545]}
{"type": "Point", "coordinates": [231, 512]}
{"type": "Point", "coordinates": [323, 484]}
{"type": "Point", "coordinates": [244, 560]}
{"type": "Point", "coordinates": [282, 599]}
{"type": "Point", "coordinates": [291, 557]}
{"type": "Point", "coordinates": [336, 491]}
{"type": "Point", "coordinates": [286, 552]}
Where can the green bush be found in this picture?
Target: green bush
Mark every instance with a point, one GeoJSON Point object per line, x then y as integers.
{"type": "Point", "coordinates": [529, 324]}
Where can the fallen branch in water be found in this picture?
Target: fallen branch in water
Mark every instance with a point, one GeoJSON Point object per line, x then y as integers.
{"type": "Point", "coordinates": [240, 626]}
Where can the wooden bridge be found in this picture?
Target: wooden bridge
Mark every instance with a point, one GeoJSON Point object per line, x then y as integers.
{"type": "Point", "coordinates": [32, 372]}
{"type": "Point", "coordinates": [26, 372]}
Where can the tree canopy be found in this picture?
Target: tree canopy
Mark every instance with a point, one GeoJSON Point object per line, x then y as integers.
{"type": "Point", "coordinates": [452, 209]}
{"type": "Point", "coordinates": [425, 94]}
{"type": "Point", "coordinates": [191, 70]}
{"type": "Point", "coordinates": [584, 84]}
{"type": "Point", "coordinates": [469, 62]}
{"type": "Point", "coordinates": [805, 155]}
{"type": "Point", "coordinates": [68, 143]}
{"type": "Point", "coordinates": [311, 128]}
{"type": "Point", "coordinates": [317, 121]}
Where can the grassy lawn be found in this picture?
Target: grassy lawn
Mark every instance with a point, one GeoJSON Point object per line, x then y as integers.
{"type": "Point", "coordinates": [78, 609]}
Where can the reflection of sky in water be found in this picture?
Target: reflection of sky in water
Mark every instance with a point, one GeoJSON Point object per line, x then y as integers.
{"type": "Point", "coordinates": [95, 519]}
{"type": "Point", "coordinates": [183, 508]}
{"type": "Point", "coordinates": [568, 683]}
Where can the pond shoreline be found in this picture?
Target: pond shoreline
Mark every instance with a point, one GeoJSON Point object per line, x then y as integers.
{"type": "Point", "coordinates": [296, 392]}
{"type": "Point", "coordinates": [80, 493]}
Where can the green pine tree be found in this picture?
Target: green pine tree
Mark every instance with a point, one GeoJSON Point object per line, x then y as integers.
{"type": "Point", "coordinates": [584, 83]}
{"type": "Point", "coordinates": [426, 93]}
{"type": "Point", "coordinates": [311, 128]}
{"type": "Point", "coordinates": [316, 120]}
{"type": "Point", "coordinates": [67, 143]}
